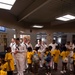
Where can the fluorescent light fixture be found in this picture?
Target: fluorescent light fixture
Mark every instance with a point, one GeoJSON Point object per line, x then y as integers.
{"type": "Point", "coordinates": [6, 4]}
{"type": "Point", "coordinates": [62, 19]}
{"type": "Point", "coordinates": [69, 16]}
{"type": "Point", "coordinates": [37, 26]}
{"type": "Point", "coordinates": [11, 2]}
{"type": "Point", "coordinates": [66, 17]}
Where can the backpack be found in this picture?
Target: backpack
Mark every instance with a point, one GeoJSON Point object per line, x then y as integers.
{"type": "Point", "coordinates": [65, 60]}
{"type": "Point", "coordinates": [48, 57]}
{"type": "Point", "coordinates": [35, 58]}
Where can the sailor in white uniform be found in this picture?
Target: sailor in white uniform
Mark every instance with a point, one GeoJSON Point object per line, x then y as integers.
{"type": "Point", "coordinates": [20, 50]}
{"type": "Point", "coordinates": [12, 50]}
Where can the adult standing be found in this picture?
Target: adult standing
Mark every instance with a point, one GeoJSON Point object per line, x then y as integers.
{"type": "Point", "coordinates": [29, 42]}
{"type": "Point", "coordinates": [69, 46]}
{"type": "Point", "coordinates": [53, 45]}
{"type": "Point", "coordinates": [12, 50]}
{"type": "Point", "coordinates": [24, 43]}
{"type": "Point", "coordinates": [19, 56]}
{"type": "Point", "coordinates": [41, 45]}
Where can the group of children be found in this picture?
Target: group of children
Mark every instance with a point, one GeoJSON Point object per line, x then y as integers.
{"type": "Point", "coordinates": [7, 63]}
{"type": "Point", "coordinates": [51, 58]}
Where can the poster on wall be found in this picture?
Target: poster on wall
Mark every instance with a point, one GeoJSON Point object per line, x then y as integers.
{"type": "Point", "coordinates": [3, 41]}
{"type": "Point", "coordinates": [2, 29]}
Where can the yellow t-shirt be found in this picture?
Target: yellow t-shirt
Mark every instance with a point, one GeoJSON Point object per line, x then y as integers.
{"type": "Point", "coordinates": [39, 53]}
{"type": "Point", "coordinates": [47, 53]}
{"type": "Point", "coordinates": [74, 56]}
{"type": "Point", "coordinates": [56, 54]}
{"type": "Point", "coordinates": [67, 52]}
{"type": "Point", "coordinates": [52, 52]}
{"type": "Point", "coordinates": [3, 72]}
{"type": "Point", "coordinates": [10, 60]}
{"type": "Point", "coordinates": [29, 57]}
{"type": "Point", "coordinates": [4, 66]}
{"type": "Point", "coordinates": [64, 54]}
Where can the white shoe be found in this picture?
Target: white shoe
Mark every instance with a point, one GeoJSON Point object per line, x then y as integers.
{"type": "Point", "coordinates": [62, 72]}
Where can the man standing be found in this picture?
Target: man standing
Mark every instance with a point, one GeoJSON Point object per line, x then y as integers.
{"type": "Point", "coordinates": [24, 43]}
{"type": "Point", "coordinates": [19, 56]}
{"type": "Point", "coordinates": [12, 50]}
{"type": "Point", "coordinates": [53, 45]}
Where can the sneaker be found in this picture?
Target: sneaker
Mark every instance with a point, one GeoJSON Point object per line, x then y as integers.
{"type": "Point", "coordinates": [62, 72]}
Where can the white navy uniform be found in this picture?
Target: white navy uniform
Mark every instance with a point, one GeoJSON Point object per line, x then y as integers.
{"type": "Point", "coordinates": [41, 50]}
{"type": "Point", "coordinates": [11, 45]}
{"type": "Point", "coordinates": [53, 46]}
{"type": "Point", "coordinates": [25, 54]}
{"type": "Point", "coordinates": [29, 45]}
{"type": "Point", "coordinates": [12, 51]}
{"type": "Point", "coordinates": [20, 58]}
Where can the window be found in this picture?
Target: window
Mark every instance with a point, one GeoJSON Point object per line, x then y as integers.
{"type": "Point", "coordinates": [14, 35]}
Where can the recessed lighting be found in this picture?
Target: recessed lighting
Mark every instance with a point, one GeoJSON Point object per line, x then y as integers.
{"type": "Point", "coordinates": [69, 16]}
{"type": "Point", "coordinates": [62, 19]}
{"type": "Point", "coordinates": [11, 2]}
{"type": "Point", "coordinates": [37, 26]}
{"type": "Point", "coordinates": [66, 17]}
{"type": "Point", "coordinates": [6, 4]}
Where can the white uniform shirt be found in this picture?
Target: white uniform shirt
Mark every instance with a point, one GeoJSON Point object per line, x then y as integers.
{"type": "Point", "coordinates": [12, 45]}
{"type": "Point", "coordinates": [21, 50]}
{"type": "Point", "coordinates": [42, 47]}
{"type": "Point", "coordinates": [70, 49]}
{"type": "Point", "coordinates": [53, 46]}
{"type": "Point", "coordinates": [73, 46]}
{"type": "Point", "coordinates": [29, 45]}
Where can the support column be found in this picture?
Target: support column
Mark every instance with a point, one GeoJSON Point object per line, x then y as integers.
{"type": "Point", "coordinates": [17, 33]}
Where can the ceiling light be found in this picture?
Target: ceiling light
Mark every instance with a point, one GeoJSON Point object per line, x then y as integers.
{"type": "Point", "coordinates": [5, 6]}
{"type": "Point", "coordinates": [69, 16]}
{"type": "Point", "coordinates": [37, 26]}
{"type": "Point", "coordinates": [11, 2]}
{"type": "Point", "coordinates": [66, 17]}
{"type": "Point", "coordinates": [62, 19]}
